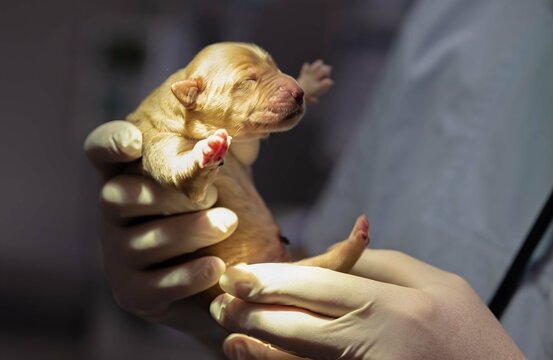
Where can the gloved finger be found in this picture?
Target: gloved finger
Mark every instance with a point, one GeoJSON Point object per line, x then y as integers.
{"type": "Point", "coordinates": [180, 282]}
{"type": "Point", "coordinates": [126, 197]}
{"type": "Point", "coordinates": [395, 267]}
{"type": "Point", "coordinates": [156, 241]}
{"type": "Point", "coordinates": [111, 144]}
{"type": "Point", "coordinates": [243, 347]}
{"type": "Point", "coordinates": [301, 286]}
{"type": "Point", "coordinates": [293, 329]}
{"type": "Point", "coordinates": [151, 293]}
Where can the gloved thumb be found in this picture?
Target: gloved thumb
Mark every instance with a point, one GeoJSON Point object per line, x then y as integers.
{"type": "Point", "coordinates": [111, 144]}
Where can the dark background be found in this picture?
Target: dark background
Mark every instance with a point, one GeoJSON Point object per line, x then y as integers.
{"type": "Point", "coordinates": [67, 66]}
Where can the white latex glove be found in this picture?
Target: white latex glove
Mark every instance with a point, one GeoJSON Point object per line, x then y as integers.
{"type": "Point", "coordinates": [137, 238]}
{"type": "Point", "coordinates": [397, 308]}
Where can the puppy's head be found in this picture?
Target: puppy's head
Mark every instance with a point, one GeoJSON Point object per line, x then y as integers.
{"type": "Point", "coordinates": [238, 87]}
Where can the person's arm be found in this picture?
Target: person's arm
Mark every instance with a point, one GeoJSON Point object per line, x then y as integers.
{"type": "Point", "coordinates": [142, 224]}
{"type": "Point", "coordinates": [395, 307]}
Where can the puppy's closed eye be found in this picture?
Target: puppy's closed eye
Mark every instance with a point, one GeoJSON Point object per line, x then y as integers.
{"type": "Point", "coordinates": [245, 84]}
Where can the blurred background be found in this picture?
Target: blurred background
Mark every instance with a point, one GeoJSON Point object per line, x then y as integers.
{"type": "Point", "coordinates": [67, 66]}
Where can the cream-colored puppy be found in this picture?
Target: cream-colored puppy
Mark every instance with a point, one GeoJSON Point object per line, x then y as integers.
{"type": "Point", "coordinates": [232, 93]}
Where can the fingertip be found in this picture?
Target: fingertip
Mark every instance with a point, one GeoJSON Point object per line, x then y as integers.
{"type": "Point", "coordinates": [244, 347]}
{"type": "Point", "coordinates": [212, 267]}
{"type": "Point", "coordinates": [218, 306]}
{"type": "Point", "coordinates": [111, 193]}
{"type": "Point", "coordinates": [218, 266]}
{"type": "Point", "coordinates": [226, 280]}
{"type": "Point", "coordinates": [240, 282]}
{"type": "Point", "coordinates": [112, 143]}
{"type": "Point", "coordinates": [111, 198]}
{"type": "Point", "coordinates": [128, 140]}
{"type": "Point", "coordinates": [234, 347]}
{"type": "Point", "coordinates": [223, 219]}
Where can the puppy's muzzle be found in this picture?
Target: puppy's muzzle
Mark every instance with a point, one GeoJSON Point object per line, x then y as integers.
{"type": "Point", "coordinates": [288, 98]}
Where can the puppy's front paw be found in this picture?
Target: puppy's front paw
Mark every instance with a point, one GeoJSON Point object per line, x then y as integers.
{"type": "Point", "coordinates": [213, 149]}
{"type": "Point", "coordinates": [315, 80]}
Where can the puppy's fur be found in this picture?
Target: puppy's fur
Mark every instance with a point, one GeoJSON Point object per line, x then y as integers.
{"type": "Point", "coordinates": [229, 91]}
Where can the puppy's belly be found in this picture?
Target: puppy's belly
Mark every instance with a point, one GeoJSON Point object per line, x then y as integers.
{"type": "Point", "coordinates": [257, 237]}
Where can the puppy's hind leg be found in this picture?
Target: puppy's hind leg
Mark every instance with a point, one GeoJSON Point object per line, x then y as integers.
{"type": "Point", "coordinates": [343, 255]}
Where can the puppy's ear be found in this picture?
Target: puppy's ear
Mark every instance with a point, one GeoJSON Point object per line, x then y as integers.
{"type": "Point", "coordinates": [187, 91]}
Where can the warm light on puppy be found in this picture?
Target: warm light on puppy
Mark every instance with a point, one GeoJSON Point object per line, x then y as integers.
{"type": "Point", "coordinates": [228, 91]}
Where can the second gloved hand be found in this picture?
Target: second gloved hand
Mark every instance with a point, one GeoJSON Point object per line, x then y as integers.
{"type": "Point", "coordinates": [396, 308]}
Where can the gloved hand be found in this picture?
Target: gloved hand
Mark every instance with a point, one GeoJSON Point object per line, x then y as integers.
{"type": "Point", "coordinates": [396, 308]}
{"type": "Point", "coordinates": [138, 234]}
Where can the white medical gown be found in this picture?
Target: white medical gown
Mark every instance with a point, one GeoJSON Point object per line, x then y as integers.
{"type": "Point", "coordinates": [454, 157]}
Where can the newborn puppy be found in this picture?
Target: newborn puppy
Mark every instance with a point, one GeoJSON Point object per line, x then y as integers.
{"type": "Point", "coordinates": [232, 93]}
